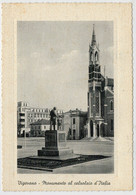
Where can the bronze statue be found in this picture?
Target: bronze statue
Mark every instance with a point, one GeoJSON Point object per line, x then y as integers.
{"type": "Point", "coordinates": [53, 116]}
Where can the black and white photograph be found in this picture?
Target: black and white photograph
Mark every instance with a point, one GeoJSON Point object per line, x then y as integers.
{"type": "Point", "coordinates": [65, 97]}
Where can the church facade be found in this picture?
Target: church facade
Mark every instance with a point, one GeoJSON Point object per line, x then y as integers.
{"type": "Point", "coordinates": [100, 96]}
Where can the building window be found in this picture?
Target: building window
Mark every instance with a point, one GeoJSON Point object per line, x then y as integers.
{"type": "Point", "coordinates": [97, 105]}
{"type": "Point", "coordinates": [74, 121]}
{"type": "Point", "coordinates": [22, 120]}
{"type": "Point", "coordinates": [43, 115]}
{"type": "Point", "coordinates": [96, 56]}
{"type": "Point", "coordinates": [91, 105]}
{"type": "Point", "coordinates": [44, 127]}
{"type": "Point", "coordinates": [111, 105]}
{"type": "Point", "coordinates": [22, 114]}
{"type": "Point", "coordinates": [112, 125]}
{"type": "Point", "coordinates": [91, 56]}
{"type": "Point", "coordinates": [88, 98]}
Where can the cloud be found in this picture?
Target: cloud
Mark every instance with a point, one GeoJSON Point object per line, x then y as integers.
{"type": "Point", "coordinates": [68, 56]}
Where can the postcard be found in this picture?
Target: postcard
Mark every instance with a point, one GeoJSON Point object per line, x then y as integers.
{"type": "Point", "coordinates": [67, 96]}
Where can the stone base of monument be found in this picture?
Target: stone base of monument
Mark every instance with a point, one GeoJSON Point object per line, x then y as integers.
{"type": "Point", "coordinates": [55, 146]}
{"type": "Point", "coordinates": [55, 152]}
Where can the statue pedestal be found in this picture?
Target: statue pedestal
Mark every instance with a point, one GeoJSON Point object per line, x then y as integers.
{"type": "Point", "coordinates": [55, 144]}
{"type": "Point", "coordinates": [54, 155]}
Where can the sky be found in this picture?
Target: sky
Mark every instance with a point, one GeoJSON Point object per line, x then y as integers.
{"type": "Point", "coordinates": [53, 59]}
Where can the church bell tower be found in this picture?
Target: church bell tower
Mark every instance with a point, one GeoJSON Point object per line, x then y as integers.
{"type": "Point", "coordinates": [94, 89]}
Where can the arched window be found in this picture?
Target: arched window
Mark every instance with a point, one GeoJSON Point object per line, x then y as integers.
{"type": "Point", "coordinates": [111, 105]}
{"type": "Point", "coordinates": [97, 103]}
{"type": "Point", "coordinates": [91, 56]}
{"type": "Point", "coordinates": [96, 56]}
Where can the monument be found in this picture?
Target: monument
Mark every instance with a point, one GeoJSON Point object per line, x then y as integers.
{"type": "Point", "coordinates": [55, 154]}
{"type": "Point", "coordinates": [55, 141]}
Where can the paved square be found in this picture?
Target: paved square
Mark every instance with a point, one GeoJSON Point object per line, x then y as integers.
{"type": "Point", "coordinates": [86, 147]}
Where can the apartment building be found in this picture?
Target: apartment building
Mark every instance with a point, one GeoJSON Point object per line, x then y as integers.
{"type": "Point", "coordinates": [27, 115]}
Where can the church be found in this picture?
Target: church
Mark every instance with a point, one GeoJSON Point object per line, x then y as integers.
{"type": "Point", "coordinates": [100, 119]}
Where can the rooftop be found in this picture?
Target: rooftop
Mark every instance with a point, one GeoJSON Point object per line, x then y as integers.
{"type": "Point", "coordinates": [76, 112]}
{"type": "Point", "coordinates": [41, 122]}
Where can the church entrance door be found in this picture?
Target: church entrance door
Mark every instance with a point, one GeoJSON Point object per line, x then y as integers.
{"type": "Point", "coordinates": [102, 130]}
{"type": "Point", "coordinates": [91, 128]}
{"type": "Point", "coordinates": [74, 134]}
{"type": "Point", "coordinates": [98, 130]}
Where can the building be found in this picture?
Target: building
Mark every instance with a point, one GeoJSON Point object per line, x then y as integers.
{"type": "Point", "coordinates": [73, 123]}
{"type": "Point", "coordinates": [39, 127]}
{"type": "Point", "coordinates": [27, 115]}
{"type": "Point", "coordinates": [100, 96]}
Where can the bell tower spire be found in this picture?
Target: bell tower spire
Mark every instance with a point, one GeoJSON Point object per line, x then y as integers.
{"type": "Point", "coordinates": [94, 50]}
{"type": "Point", "coordinates": [93, 36]}
{"type": "Point", "coordinates": [94, 88]}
